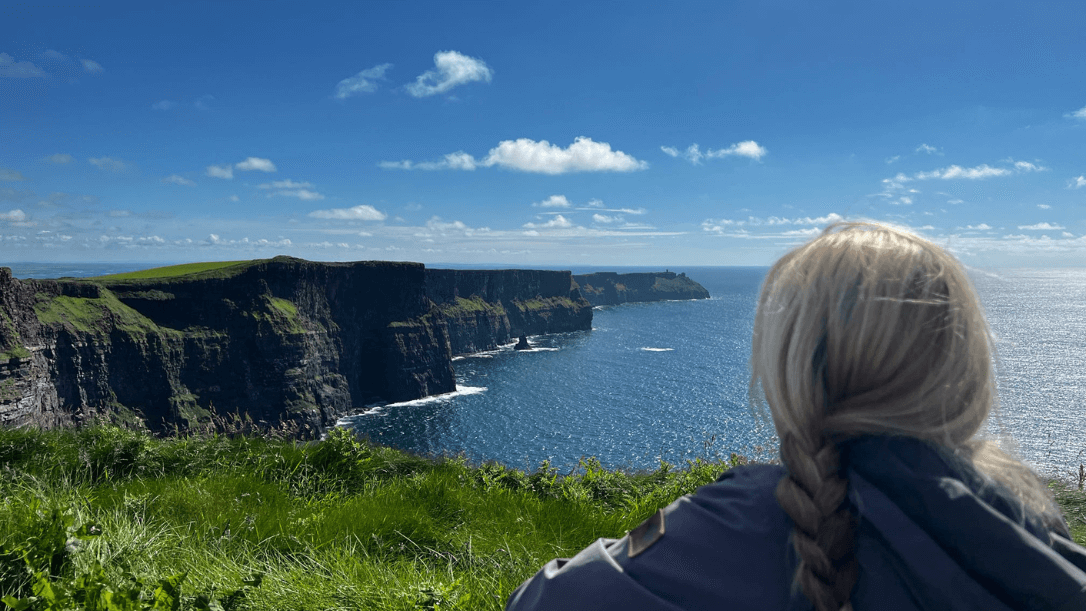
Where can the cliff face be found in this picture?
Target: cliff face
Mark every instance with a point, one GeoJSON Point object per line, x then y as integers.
{"type": "Point", "coordinates": [610, 288]}
{"type": "Point", "coordinates": [282, 340]}
{"type": "Point", "coordinates": [485, 308]}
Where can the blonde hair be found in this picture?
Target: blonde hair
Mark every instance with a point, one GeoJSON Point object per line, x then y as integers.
{"type": "Point", "coordinates": [869, 329]}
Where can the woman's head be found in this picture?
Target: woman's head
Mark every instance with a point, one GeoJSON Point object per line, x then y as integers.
{"type": "Point", "coordinates": [871, 329]}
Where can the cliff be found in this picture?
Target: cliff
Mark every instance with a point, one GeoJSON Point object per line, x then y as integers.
{"type": "Point", "coordinates": [283, 340]}
{"type": "Point", "coordinates": [610, 288]}
{"type": "Point", "coordinates": [486, 308]}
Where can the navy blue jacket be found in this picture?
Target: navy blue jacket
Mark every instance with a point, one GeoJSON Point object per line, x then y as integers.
{"type": "Point", "coordinates": [931, 535]}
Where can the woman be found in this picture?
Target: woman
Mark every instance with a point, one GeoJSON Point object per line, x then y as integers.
{"type": "Point", "coordinates": [872, 352]}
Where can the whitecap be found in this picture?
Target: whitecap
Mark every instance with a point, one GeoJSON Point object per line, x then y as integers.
{"type": "Point", "coordinates": [647, 349]}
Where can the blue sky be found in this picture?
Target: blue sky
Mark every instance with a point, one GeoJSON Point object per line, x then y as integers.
{"type": "Point", "coordinates": [557, 133]}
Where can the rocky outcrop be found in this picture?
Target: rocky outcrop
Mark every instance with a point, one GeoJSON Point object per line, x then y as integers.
{"type": "Point", "coordinates": [280, 341]}
{"type": "Point", "coordinates": [610, 288]}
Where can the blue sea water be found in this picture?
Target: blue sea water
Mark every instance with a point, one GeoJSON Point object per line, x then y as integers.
{"type": "Point", "coordinates": [668, 380]}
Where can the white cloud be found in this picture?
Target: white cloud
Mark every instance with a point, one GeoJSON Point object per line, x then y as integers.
{"type": "Point", "coordinates": [303, 194]}
{"type": "Point", "coordinates": [163, 105]}
{"type": "Point", "coordinates": [1025, 166]}
{"type": "Point", "coordinates": [803, 232]}
{"type": "Point", "coordinates": [606, 219]}
{"type": "Point", "coordinates": [694, 155]}
{"type": "Point", "coordinates": [92, 67]}
{"type": "Point", "coordinates": [1077, 182]}
{"type": "Point", "coordinates": [9, 68]}
{"type": "Point", "coordinates": [892, 159]}
{"type": "Point", "coordinates": [1043, 206]}
{"type": "Point", "coordinates": [927, 148]}
{"type": "Point", "coordinates": [13, 216]}
{"type": "Point", "coordinates": [955, 201]}
{"type": "Point", "coordinates": [1041, 227]}
{"type": "Point", "coordinates": [1078, 114]}
{"type": "Point", "coordinates": [285, 184]}
{"type": "Point", "coordinates": [584, 155]}
{"type": "Point", "coordinates": [452, 69]}
{"type": "Point", "coordinates": [558, 222]}
{"type": "Point", "coordinates": [60, 158]}
{"type": "Point", "coordinates": [357, 213]}
{"type": "Point", "coordinates": [108, 163]}
{"type": "Point", "coordinates": [220, 171]}
{"type": "Point", "coordinates": [957, 171]}
{"type": "Point", "coordinates": [178, 180]}
{"type": "Point", "coordinates": [7, 175]}
{"type": "Point", "coordinates": [234, 198]}
{"type": "Point", "coordinates": [554, 201]}
{"type": "Point", "coordinates": [453, 161]}
{"type": "Point", "coordinates": [255, 163]}
{"type": "Point", "coordinates": [542, 157]}
{"type": "Point", "coordinates": [600, 208]}
{"type": "Point", "coordinates": [363, 82]}
{"type": "Point", "coordinates": [981, 227]}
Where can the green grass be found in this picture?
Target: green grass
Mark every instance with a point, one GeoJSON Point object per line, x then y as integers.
{"type": "Point", "coordinates": [173, 271]}
{"type": "Point", "coordinates": [252, 523]}
{"type": "Point", "coordinates": [93, 314]}
{"type": "Point", "coordinates": [337, 524]}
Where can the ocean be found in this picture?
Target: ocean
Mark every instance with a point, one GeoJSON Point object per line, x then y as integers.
{"type": "Point", "coordinates": [668, 380]}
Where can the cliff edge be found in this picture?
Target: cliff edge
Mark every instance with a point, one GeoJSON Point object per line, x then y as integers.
{"type": "Point", "coordinates": [281, 341]}
{"type": "Point", "coordinates": [610, 288]}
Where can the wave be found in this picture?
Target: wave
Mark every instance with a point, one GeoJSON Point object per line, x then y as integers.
{"type": "Point", "coordinates": [381, 409]}
{"type": "Point", "coordinates": [647, 349]}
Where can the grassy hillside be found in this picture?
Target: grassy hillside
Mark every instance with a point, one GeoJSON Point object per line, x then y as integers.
{"type": "Point", "coordinates": [113, 516]}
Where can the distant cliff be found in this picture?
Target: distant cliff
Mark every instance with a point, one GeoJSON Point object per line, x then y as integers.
{"type": "Point", "coordinates": [610, 288]}
{"type": "Point", "coordinates": [283, 340]}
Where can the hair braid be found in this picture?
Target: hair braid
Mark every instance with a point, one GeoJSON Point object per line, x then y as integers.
{"type": "Point", "coordinates": [813, 494]}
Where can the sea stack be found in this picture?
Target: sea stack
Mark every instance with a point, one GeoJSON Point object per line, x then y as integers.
{"type": "Point", "coordinates": [522, 344]}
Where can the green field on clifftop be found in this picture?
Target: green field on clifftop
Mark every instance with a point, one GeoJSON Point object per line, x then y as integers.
{"type": "Point", "coordinates": [171, 271]}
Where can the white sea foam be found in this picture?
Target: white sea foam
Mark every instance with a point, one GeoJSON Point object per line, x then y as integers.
{"type": "Point", "coordinates": [382, 409]}
{"type": "Point", "coordinates": [647, 349]}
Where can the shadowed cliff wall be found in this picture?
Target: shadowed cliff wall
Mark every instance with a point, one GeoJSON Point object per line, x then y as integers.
{"type": "Point", "coordinates": [279, 340]}
{"type": "Point", "coordinates": [610, 288]}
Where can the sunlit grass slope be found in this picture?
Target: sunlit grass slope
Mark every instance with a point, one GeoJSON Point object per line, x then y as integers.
{"type": "Point", "coordinates": [173, 271]}
{"type": "Point", "coordinates": [259, 524]}
{"type": "Point", "coordinates": [107, 515]}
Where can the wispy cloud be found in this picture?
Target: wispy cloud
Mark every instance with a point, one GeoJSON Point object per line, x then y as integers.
{"type": "Point", "coordinates": [201, 102]}
{"type": "Point", "coordinates": [1041, 227]}
{"type": "Point", "coordinates": [1078, 114]}
{"type": "Point", "coordinates": [721, 226]}
{"type": "Point", "coordinates": [891, 160]}
{"type": "Point", "coordinates": [558, 221]}
{"type": "Point", "coordinates": [163, 105]}
{"type": "Point", "coordinates": [220, 171]}
{"type": "Point", "coordinates": [7, 175]}
{"type": "Point", "coordinates": [357, 213]}
{"type": "Point", "coordinates": [694, 154]}
{"type": "Point", "coordinates": [363, 82]}
{"type": "Point", "coordinates": [1043, 206]}
{"type": "Point", "coordinates": [1077, 183]}
{"type": "Point", "coordinates": [108, 163]}
{"type": "Point", "coordinates": [60, 158]}
{"type": "Point", "coordinates": [91, 66]}
{"type": "Point", "coordinates": [255, 163]}
{"type": "Point", "coordinates": [450, 70]}
{"type": "Point", "coordinates": [526, 155]}
{"type": "Point", "coordinates": [285, 184]}
{"type": "Point", "coordinates": [927, 148]}
{"type": "Point", "coordinates": [9, 68]}
{"type": "Point", "coordinates": [957, 171]}
{"type": "Point", "coordinates": [981, 227]}
{"type": "Point", "coordinates": [178, 180]}
{"type": "Point", "coordinates": [13, 216]}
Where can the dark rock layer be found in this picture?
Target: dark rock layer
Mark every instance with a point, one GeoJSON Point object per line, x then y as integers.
{"type": "Point", "coordinates": [281, 340]}
{"type": "Point", "coordinates": [610, 288]}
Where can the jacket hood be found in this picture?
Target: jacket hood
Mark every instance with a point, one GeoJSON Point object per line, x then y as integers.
{"type": "Point", "coordinates": [966, 523]}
